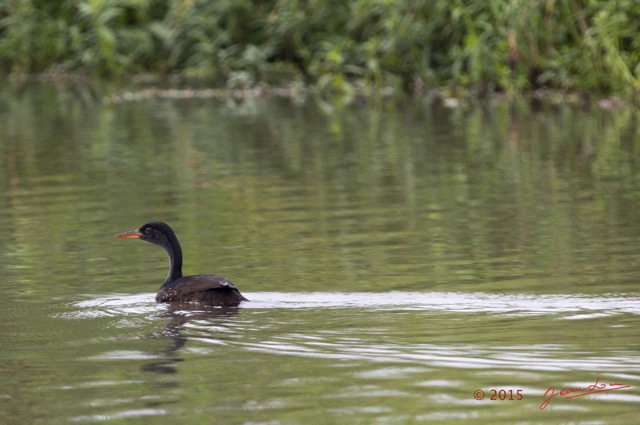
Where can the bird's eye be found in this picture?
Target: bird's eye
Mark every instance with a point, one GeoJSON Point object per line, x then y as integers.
{"type": "Point", "coordinates": [147, 230]}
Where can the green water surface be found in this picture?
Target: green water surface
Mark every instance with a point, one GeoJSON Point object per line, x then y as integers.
{"type": "Point", "coordinates": [398, 258]}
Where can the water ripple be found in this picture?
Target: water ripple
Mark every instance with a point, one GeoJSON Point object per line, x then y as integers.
{"type": "Point", "coordinates": [579, 306]}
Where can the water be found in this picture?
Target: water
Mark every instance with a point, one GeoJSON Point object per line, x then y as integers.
{"type": "Point", "coordinates": [397, 259]}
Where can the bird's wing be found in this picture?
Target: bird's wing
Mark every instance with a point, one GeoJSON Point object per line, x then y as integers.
{"type": "Point", "coordinates": [193, 284]}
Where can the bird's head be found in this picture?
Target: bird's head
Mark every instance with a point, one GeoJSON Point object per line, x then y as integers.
{"type": "Point", "coordinates": [155, 232]}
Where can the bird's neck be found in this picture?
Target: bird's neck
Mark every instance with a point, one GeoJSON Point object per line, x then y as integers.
{"type": "Point", "coordinates": [175, 261]}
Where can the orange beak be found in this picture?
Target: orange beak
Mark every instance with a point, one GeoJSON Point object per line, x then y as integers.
{"type": "Point", "coordinates": [132, 234]}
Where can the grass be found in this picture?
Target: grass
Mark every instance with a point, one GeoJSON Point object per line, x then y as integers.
{"type": "Point", "coordinates": [336, 47]}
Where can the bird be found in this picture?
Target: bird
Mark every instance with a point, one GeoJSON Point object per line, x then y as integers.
{"type": "Point", "coordinates": [207, 290]}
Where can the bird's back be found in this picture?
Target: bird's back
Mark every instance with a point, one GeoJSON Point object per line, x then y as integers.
{"type": "Point", "coordinates": [204, 289]}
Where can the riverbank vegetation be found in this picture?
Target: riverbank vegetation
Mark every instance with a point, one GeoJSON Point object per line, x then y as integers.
{"type": "Point", "coordinates": [471, 46]}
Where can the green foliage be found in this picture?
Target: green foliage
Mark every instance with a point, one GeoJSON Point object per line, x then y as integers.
{"type": "Point", "coordinates": [340, 47]}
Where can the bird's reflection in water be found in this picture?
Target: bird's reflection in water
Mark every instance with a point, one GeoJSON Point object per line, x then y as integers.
{"type": "Point", "coordinates": [177, 317]}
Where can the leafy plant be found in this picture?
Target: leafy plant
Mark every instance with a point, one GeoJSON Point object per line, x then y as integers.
{"type": "Point", "coordinates": [337, 46]}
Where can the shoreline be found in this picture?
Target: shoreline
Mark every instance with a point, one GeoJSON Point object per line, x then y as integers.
{"type": "Point", "coordinates": [143, 87]}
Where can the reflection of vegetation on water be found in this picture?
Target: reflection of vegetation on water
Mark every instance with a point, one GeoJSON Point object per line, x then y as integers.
{"type": "Point", "coordinates": [339, 46]}
{"type": "Point", "coordinates": [404, 196]}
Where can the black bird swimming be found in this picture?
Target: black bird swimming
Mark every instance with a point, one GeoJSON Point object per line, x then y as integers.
{"type": "Point", "coordinates": [204, 289]}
